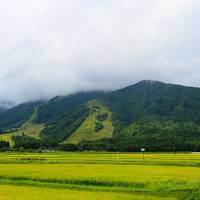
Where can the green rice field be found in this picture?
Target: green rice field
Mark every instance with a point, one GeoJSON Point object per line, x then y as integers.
{"type": "Point", "coordinates": [97, 176]}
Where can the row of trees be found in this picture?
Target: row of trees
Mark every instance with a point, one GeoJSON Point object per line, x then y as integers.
{"type": "Point", "coordinates": [4, 145]}
{"type": "Point", "coordinates": [27, 143]}
{"type": "Point", "coordinates": [114, 146]}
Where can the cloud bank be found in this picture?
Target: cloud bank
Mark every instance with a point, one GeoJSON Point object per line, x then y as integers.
{"type": "Point", "coordinates": [50, 47]}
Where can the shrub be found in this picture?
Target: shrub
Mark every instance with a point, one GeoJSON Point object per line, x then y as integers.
{"type": "Point", "coordinates": [98, 126]}
{"type": "Point", "coordinates": [68, 147]}
{"type": "Point", "coordinates": [102, 117]}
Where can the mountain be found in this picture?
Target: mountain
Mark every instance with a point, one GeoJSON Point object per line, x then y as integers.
{"type": "Point", "coordinates": [63, 115]}
{"type": "Point", "coordinates": [149, 114]}
{"type": "Point", "coordinates": [2, 110]}
{"type": "Point", "coordinates": [154, 100]}
{"type": "Point", "coordinates": [5, 105]}
{"type": "Point", "coordinates": [155, 114]}
{"type": "Point", "coordinates": [16, 116]}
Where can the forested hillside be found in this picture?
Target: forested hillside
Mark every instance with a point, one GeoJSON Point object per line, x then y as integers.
{"type": "Point", "coordinates": [151, 114]}
{"type": "Point", "coordinates": [16, 116]}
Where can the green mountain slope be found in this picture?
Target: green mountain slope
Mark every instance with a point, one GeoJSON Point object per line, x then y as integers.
{"type": "Point", "coordinates": [152, 114]}
{"type": "Point", "coordinates": [88, 131]}
{"type": "Point", "coordinates": [155, 114]}
{"type": "Point", "coordinates": [51, 111]}
{"type": "Point", "coordinates": [52, 120]}
{"type": "Point", "coordinates": [63, 115]}
{"type": "Point", "coordinates": [15, 117]}
{"type": "Point", "coordinates": [154, 100]}
{"type": "Point", "coordinates": [66, 125]}
{"type": "Point", "coordinates": [28, 128]}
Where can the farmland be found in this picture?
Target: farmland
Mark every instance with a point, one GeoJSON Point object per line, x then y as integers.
{"type": "Point", "coordinates": [59, 175]}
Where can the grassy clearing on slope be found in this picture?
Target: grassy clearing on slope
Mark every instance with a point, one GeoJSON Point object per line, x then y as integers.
{"type": "Point", "coordinates": [32, 131]}
{"type": "Point", "coordinates": [86, 132]}
{"type": "Point", "coordinates": [28, 128]}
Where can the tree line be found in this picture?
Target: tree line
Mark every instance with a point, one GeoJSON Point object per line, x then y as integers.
{"type": "Point", "coordinates": [25, 142]}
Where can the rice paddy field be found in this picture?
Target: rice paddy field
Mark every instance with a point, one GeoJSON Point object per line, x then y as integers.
{"type": "Point", "coordinates": [99, 176]}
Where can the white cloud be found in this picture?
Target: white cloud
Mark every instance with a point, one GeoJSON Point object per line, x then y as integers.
{"type": "Point", "coordinates": [57, 47]}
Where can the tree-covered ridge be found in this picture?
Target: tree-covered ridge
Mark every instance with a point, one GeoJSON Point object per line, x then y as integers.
{"type": "Point", "coordinates": [154, 100]}
{"type": "Point", "coordinates": [66, 124]}
{"type": "Point", "coordinates": [152, 114]}
{"type": "Point", "coordinates": [51, 111]}
{"type": "Point", "coordinates": [15, 117]}
{"type": "Point", "coordinates": [160, 135]}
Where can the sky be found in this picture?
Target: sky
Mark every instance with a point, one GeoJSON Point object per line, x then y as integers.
{"type": "Point", "coordinates": [50, 48]}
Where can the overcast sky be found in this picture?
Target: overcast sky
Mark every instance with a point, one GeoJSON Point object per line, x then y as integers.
{"type": "Point", "coordinates": [52, 47]}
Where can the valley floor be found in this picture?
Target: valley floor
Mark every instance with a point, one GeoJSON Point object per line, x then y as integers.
{"type": "Point", "coordinates": [97, 176]}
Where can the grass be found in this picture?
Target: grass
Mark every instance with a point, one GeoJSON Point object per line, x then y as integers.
{"type": "Point", "coordinates": [164, 159]}
{"type": "Point", "coordinates": [86, 132]}
{"type": "Point", "coordinates": [8, 192]}
{"type": "Point", "coordinates": [100, 175]}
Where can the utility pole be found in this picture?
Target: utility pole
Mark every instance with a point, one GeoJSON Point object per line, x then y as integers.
{"type": "Point", "coordinates": [143, 150]}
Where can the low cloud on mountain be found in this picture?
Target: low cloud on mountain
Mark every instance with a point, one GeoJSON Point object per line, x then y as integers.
{"type": "Point", "coordinates": [58, 47]}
